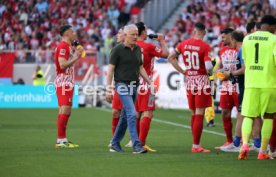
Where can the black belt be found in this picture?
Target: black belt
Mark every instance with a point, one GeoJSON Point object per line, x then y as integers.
{"type": "Point", "coordinates": [128, 82]}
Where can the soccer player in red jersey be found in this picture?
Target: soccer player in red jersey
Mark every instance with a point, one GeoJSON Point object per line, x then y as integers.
{"type": "Point", "coordinates": [145, 104]}
{"type": "Point", "coordinates": [65, 58]}
{"type": "Point", "coordinates": [196, 57]}
{"type": "Point", "coordinates": [229, 96]}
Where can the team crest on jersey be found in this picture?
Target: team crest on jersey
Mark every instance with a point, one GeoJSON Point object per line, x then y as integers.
{"type": "Point", "coordinates": [62, 51]}
{"type": "Point", "coordinates": [157, 49]}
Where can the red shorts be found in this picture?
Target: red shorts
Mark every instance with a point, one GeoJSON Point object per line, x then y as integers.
{"type": "Point", "coordinates": [229, 100]}
{"type": "Point", "coordinates": [65, 95]}
{"type": "Point", "coordinates": [142, 102]}
{"type": "Point", "coordinates": [116, 102]}
{"type": "Point", "coordinates": [199, 99]}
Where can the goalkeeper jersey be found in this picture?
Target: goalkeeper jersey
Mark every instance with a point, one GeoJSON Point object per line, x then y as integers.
{"type": "Point", "coordinates": [259, 54]}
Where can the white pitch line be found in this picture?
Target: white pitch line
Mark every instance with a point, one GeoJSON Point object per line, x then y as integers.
{"type": "Point", "coordinates": [172, 123]}
{"type": "Point", "coordinates": [185, 126]}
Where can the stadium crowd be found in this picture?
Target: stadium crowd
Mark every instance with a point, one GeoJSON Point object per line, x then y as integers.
{"type": "Point", "coordinates": [217, 15]}
{"type": "Point", "coordinates": [33, 25]}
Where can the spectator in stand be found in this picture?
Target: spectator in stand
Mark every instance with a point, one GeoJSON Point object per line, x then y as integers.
{"type": "Point", "coordinates": [180, 23]}
{"type": "Point", "coordinates": [106, 31]}
{"type": "Point", "coordinates": [108, 45]}
{"type": "Point", "coordinates": [2, 9]}
{"type": "Point", "coordinates": [42, 6]}
{"type": "Point", "coordinates": [113, 14]}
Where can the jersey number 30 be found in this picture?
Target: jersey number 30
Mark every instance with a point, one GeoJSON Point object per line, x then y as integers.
{"type": "Point", "coordinates": [191, 60]}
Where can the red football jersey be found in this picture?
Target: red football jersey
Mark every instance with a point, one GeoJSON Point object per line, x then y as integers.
{"type": "Point", "coordinates": [64, 76]}
{"type": "Point", "coordinates": [228, 57]}
{"type": "Point", "coordinates": [195, 52]}
{"type": "Point", "coordinates": [149, 52]}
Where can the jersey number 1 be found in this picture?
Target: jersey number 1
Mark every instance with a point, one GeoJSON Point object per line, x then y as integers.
{"type": "Point", "coordinates": [192, 60]}
{"type": "Point", "coordinates": [256, 52]}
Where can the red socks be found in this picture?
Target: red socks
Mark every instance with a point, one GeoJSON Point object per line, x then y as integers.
{"type": "Point", "coordinates": [197, 126]}
{"type": "Point", "coordinates": [273, 137]}
{"type": "Point", "coordinates": [192, 123]}
{"type": "Point", "coordinates": [227, 125]}
{"type": "Point", "coordinates": [138, 126]}
{"type": "Point", "coordinates": [115, 121]}
{"type": "Point", "coordinates": [61, 125]}
{"type": "Point", "coordinates": [144, 129]}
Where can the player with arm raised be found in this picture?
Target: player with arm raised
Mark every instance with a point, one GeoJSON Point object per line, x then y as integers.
{"type": "Point", "coordinates": [144, 105]}
{"type": "Point", "coordinates": [65, 58]}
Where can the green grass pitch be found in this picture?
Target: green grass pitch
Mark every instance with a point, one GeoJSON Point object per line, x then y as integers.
{"type": "Point", "coordinates": [28, 136]}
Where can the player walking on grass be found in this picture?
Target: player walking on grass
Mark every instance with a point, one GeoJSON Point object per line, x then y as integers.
{"type": "Point", "coordinates": [65, 58]}
{"type": "Point", "coordinates": [145, 103]}
{"type": "Point", "coordinates": [126, 64]}
{"type": "Point", "coordinates": [259, 54]}
{"type": "Point", "coordinates": [196, 57]}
